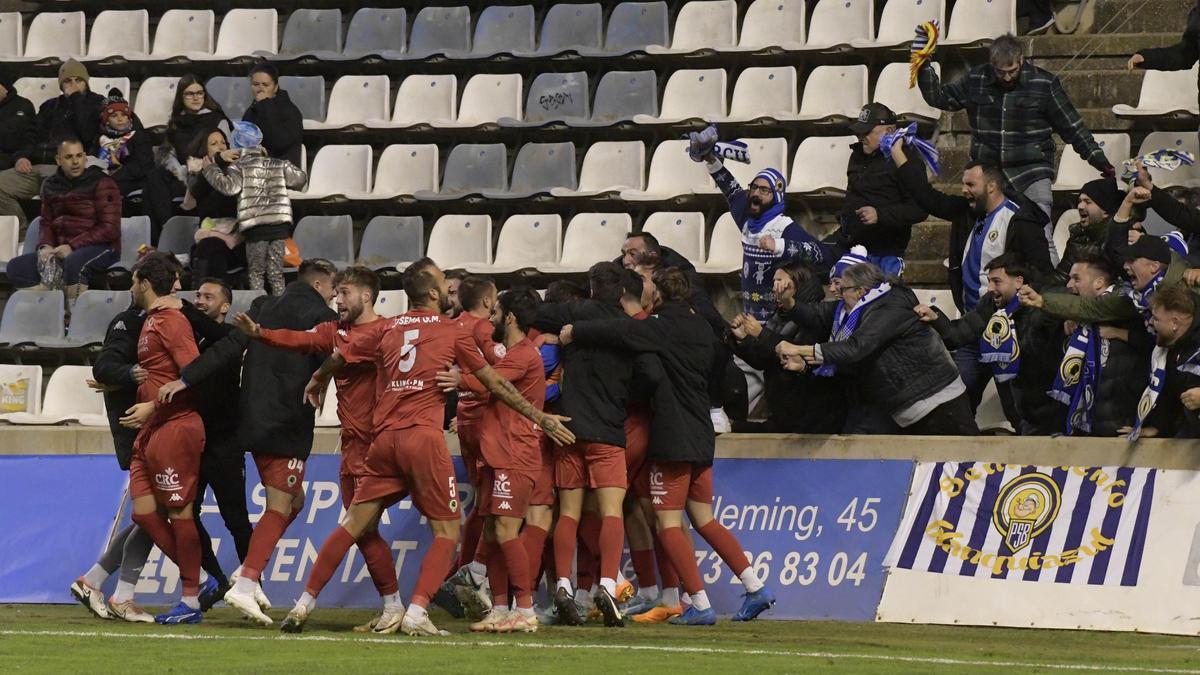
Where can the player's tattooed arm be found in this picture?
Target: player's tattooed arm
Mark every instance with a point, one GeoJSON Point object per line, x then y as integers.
{"type": "Point", "coordinates": [504, 390]}
{"type": "Point", "coordinates": [314, 391]}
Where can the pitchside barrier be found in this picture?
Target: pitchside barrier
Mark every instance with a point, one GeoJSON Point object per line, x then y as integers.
{"type": "Point", "coordinates": [1055, 533]}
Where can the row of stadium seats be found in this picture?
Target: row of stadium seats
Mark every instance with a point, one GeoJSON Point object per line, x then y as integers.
{"type": "Point", "coordinates": [508, 30]}
{"type": "Point", "coordinates": [135, 233]}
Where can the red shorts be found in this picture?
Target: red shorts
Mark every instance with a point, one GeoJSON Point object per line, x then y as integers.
{"type": "Point", "coordinates": [468, 448]}
{"type": "Point", "coordinates": [637, 444]}
{"type": "Point", "coordinates": [354, 453]}
{"type": "Point", "coordinates": [543, 487]}
{"type": "Point", "coordinates": [589, 465]}
{"type": "Point", "coordinates": [505, 492]}
{"type": "Point", "coordinates": [349, 486]}
{"type": "Point", "coordinates": [285, 474]}
{"type": "Point", "coordinates": [166, 461]}
{"type": "Point", "coordinates": [672, 484]}
{"type": "Point", "coordinates": [411, 461]}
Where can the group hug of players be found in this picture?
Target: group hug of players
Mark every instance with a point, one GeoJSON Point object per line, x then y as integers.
{"type": "Point", "coordinates": [626, 451]}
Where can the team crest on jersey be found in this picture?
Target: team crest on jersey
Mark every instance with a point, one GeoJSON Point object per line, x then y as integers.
{"type": "Point", "coordinates": [1025, 507]}
{"type": "Point", "coordinates": [993, 235]}
{"type": "Point", "coordinates": [291, 481]}
{"type": "Point", "coordinates": [502, 487]}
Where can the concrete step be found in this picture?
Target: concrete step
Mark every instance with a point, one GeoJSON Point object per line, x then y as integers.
{"type": "Point", "coordinates": [1103, 45]}
{"type": "Point", "coordinates": [1140, 16]}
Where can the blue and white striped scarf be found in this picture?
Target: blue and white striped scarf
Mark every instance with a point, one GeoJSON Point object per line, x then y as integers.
{"type": "Point", "coordinates": [1141, 299]}
{"type": "Point", "coordinates": [844, 324]}
{"type": "Point", "coordinates": [998, 346]}
{"type": "Point", "coordinates": [1078, 378]}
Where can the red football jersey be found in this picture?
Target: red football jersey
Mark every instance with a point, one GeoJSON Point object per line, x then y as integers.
{"type": "Point", "coordinates": [471, 405]}
{"type": "Point", "coordinates": [165, 346]}
{"type": "Point", "coordinates": [508, 439]}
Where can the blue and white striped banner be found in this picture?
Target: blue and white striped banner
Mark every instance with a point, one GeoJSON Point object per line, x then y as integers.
{"type": "Point", "coordinates": [1053, 524]}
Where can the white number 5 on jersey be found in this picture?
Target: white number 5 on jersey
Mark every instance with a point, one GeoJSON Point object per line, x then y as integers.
{"type": "Point", "coordinates": [408, 351]}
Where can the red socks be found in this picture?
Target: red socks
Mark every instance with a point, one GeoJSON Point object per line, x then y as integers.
{"type": "Point", "coordinates": [643, 567]}
{"type": "Point", "coordinates": [472, 537]}
{"type": "Point", "coordinates": [682, 558]}
{"type": "Point", "coordinates": [589, 532]}
{"type": "Point", "coordinates": [434, 567]}
{"type": "Point", "coordinates": [612, 542]}
{"type": "Point", "coordinates": [378, 556]}
{"type": "Point", "coordinates": [726, 546]}
{"type": "Point", "coordinates": [534, 540]}
{"type": "Point", "coordinates": [517, 563]}
{"type": "Point", "coordinates": [262, 543]}
{"type": "Point", "coordinates": [666, 570]}
{"type": "Point", "coordinates": [332, 552]}
{"type": "Point", "coordinates": [498, 579]}
{"type": "Point", "coordinates": [156, 525]}
{"type": "Point", "coordinates": [565, 532]}
{"type": "Point", "coordinates": [187, 558]}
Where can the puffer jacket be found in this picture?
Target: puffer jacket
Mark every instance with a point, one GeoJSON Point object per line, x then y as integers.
{"type": "Point", "coordinates": [85, 211]}
{"type": "Point", "coordinates": [261, 185]}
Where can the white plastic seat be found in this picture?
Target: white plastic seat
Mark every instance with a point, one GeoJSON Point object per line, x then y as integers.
{"type": "Point", "coordinates": [840, 23]}
{"type": "Point", "coordinates": [177, 236]}
{"type": "Point", "coordinates": [68, 399]}
{"type": "Point", "coordinates": [406, 170]}
{"type": "Point", "coordinates": [328, 416]}
{"type": "Point", "coordinates": [538, 169]}
{"type": "Point", "coordinates": [680, 230]}
{"type": "Point", "coordinates": [819, 167]}
{"type": "Point", "coordinates": [102, 85]}
{"type": "Point", "coordinates": [772, 23]}
{"type": "Point", "coordinates": [834, 91]}
{"type": "Point", "coordinates": [389, 241]}
{"type": "Point", "coordinates": [526, 241]}
{"type": "Point", "coordinates": [891, 89]}
{"type": "Point", "coordinates": [590, 238]}
{"type": "Point", "coordinates": [898, 20]}
{"type": "Point", "coordinates": [989, 416]}
{"type": "Point", "coordinates": [1062, 229]}
{"type": "Point", "coordinates": [9, 235]}
{"type": "Point", "coordinates": [633, 26]}
{"type": "Point", "coordinates": [764, 92]}
{"type": "Point", "coordinates": [1164, 92]}
{"type": "Point", "coordinates": [312, 32]}
{"type": "Point", "coordinates": [691, 94]}
{"type": "Point", "coordinates": [245, 32]}
{"type": "Point", "coordinates": [623, 95]}
{"type": "Point", "coordinates": [672, 173]}
{"type": "Point", "coordinates": [724, 249]}
{"type": "Point", "coordinates": [942, 298]}
{"type": "Point", "coordinates": [391, 303]}
{"type": "Point", "coordinates": [702, 24]}
{"type": "Point", "coordinates": [155, 97]}
{"type": "Point", "coordinates": [123, 33]}
{"type": "Point", "coordinates": [233, 93]}
{"type": "Point", "coordinates": [486, 98]}
{"type": "Point", "coordinates": [12, 36]}
{"type": "Point", "coordinates": [338, 170]}
{"type": "Point", "coordinates": [1073, 171]}
{"type": "Point", "coordinates": [328, 237]}
{"type": "Point", "coordinates": [90, 315]}
{"type": "Point", "coordinates": [426, 99]}
{"type": "Point", "coordinates": [440, 30]}
{"type": "Point", "coordinates": [980, 21]}
{"type": "Point", "coordinates": [610, 166]}
{"type": "Point", "coordinates": [32, 315]}
{"type": "Point", "coordinates": [20, 390]}
{"type": "Point", "coordinates": [375, 31]}
{"type": "Point", "coordinates": [56, 35]}
{"type": "Point", "coordinates": [457, 241]}
{"type": "Point", "coordinates": [37, 89]}
{"type": "Point", "coordinates": [555, 98]}
{"type": "Point", "coordinates": [504, 29]}
{"type": "Point", "coordinates": [242, 299]}
{"type": "Point", "coordinates": [571, 27]}
{"type": "Point", "coordinates": [182, 32]}
{"type": "Point", "coordinates": [472, 169]}
{"type": "Point", "coordinates": [135, 233]}
{"type": "Point", "coordinates": [356, 100]}
{"type": "Point", "coordinates": [1187, 176]}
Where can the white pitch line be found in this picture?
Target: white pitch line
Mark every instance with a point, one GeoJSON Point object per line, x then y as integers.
{"type": "Point", "coordinates": [607, 646]}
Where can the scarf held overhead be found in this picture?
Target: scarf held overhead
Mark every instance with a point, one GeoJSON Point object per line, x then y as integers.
{"type": "Point", "coordinates": [923, 147]}
{"type": "Point", "coordinates": [844, 324]}
{"type": "Point", "coordinates": [998, 345]}
{"type": "Point", "coordinates": [921, 51]}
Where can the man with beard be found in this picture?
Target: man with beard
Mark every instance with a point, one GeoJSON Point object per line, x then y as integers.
{"type": "Point", "coordinates": [1170, 405]}
{"type": "Point", "coordinates": [1098, 202]}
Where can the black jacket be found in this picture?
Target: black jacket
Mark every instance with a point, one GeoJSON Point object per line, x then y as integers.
{"type": "Point", "coordinates": [596, 379]}
{"type": "Point", "coordinates": [18, 122]}
{"type": "Point", "coordinates": [282, 126]}
{"type": "Point", "coordinates": [76, 115]}
{"type": "Point", "coordinates": [701, 302]}
{"type": "Point", "coordinates": [871, 181]}
{"type": "Point", "coordinates": [113, 366]}
{"type": "Point", "coordinates": [892, 360]}
{"type": "Point", "coordinates": [184, 131]}
{"type": "Point", "coordinates": [131, 175]}
{"type": "Point", "coordinates": [681, 429]}
{"type": "Point", "coordinates": [1179, 56]}
{"type": "Point", "coordinates": [274, 419]}
{"type": "Point", "coordinates": [1026, 235]}
{"type": "Point", "coordinates": [217, 396]}
{"type": "Point", "coordinates": [1170, 416]}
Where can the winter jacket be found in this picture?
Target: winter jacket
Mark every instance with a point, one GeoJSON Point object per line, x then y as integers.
{"type": "Point", "coordinates": [893, 360]}
{"type": "Point", "coordinates": [18, 123]}
{"type": "Point", "coordinates": [282, 126]}
{"type": "Point", "coordinates": [274, 419]}
{"type": "Point", "coordinates": [261, 184]}
{"type": "Point", "coordinates": [76, 115]}
{"type": "Point", "coordinates": [701, 302]}
{"type": "Point", "coordinates": [596, 379]}
{"type": "Point", "coordinates": [114, 368]}
{"type": "Point", "coordinates": [184, 131]}
{"type": "Point", "coordinates": [131, 174]}
{"type": "Point", "coordinates": [1169, 415]}
{"type": "Point", "coordinates": [85, 211]}
{"type": "Point", "coordinates": [681, 428]}
{"type": "Point", "coordinates": [1081, 235]}
{"type": "Point", "coordinates": [216, 398]}
{"type": "Point", "coordinates": [871, 181]}
{"type": "Point", "coordinates": [1026, 234]}
{"type": "Point", "coordinates": [1179, 56]}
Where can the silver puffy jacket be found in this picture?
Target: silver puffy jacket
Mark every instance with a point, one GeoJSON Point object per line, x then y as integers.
{"type": "Point", "coordinates": [261, 184]}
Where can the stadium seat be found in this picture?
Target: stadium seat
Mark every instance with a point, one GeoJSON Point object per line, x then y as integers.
{"type": "Point", "coordinates": [329, 237]}
{"type": "Point", "coordinates": [834, 92]}
{"type": "Point", "coordinates": [891, 89]}
{"type": "Point", "coordinates": [682, 231]}
{"type": "Point", "coordinates": [21, 390]}
{"type": "Point", "coordinates": [29, 245]}
{"type": "Point", "coordinates": [572, 27]}
{"type": "Point", "coordinates": [764, 153]}
{"type": "Point", "coordinates": [487, 98]}
{"type": "Point", "coordinates": [90, 315]}
{"type": "Point", "coordinates": [840, 23]}
{"type": "Point", "coordinates": [554, 97]}
{"type": "Point", "coordinates": [632, 27]}
{"type": "Point", "coordinates": [764, 93]}
{"type": "Point", "coordinates": [68, 399]}
{"type": "Point", "coordinates": [356, 100]}
{"type": "Point", "coordinates": [184, 32]}
{"type": "Point", "coordinates": [245, 32]}
{"type": "Point", "coordinates": [472, 169]}
{"type": "Point", "coordinates": [590, 238]}
{"type": "Point", "coordinates": [37, 89]}
{"type": "Point", "coordinates": [942, 298]}
{"type": "Point", "coordinates": [155, 97]}
{"type": "Point", "coordinates": [426, 100]}
{"type": "Point", "coordinates": [1073, 171]}
{"type": "Point", "coordinates": [102, 85]}
{"type": "Point", "coordinates": [540, 167]}
{"type": "Point", "coordinates": [974, 22]}
{"type": "Point", "coordinates": [308, 94]}
{"type": "Point", "coordinates": [405, 170]}
{"type": "Point", "coordinates": [390, 240]}
{"type": "Point", "coordinates": [1164, 93]}
{"type": "Point", "coordinates": [989, 416]}
{"type": "Point", "coordinates": [328, 416]}
{"type": "Point", "coordinates": [57, 35]}
{"type": "Point", "coordinates": [12, 36]}
{"type": "Point", "coordinates": [526, 241]}
{"type": "Point", "coordinates": [391, 303]}
{"type": "Point", "coordinates": [178, 235]}
{"type": "Point", "coordinates": [724, 249]}
{"type": "Point", "coordinates": [30, 316]}
{"type": "Point", "coordinates": [623, 95]}
{"type": "Point", "coordinates": [898, 20]}
{"type": "Point", "coordinates": [241, 303]}
{"type": "Point", "coordinates": [135, 233]}
{"type": "Point", "coordinates": [609, 166]}
{"type": "Point", "coordinates": [1062, 229]}
{"type": "Point", "coordinates": [9, 233]}
{"type": "Point", "coordinates": [311, 32]}
{"type": "Point", "coordinates": [702, 24]}
{"type": "Point", "coordinates": [1187, 176]}
{"type": "Point", "coordinates": [343, 170]}
{"type": "Point", "coordinates": [375, 31]}
{"type": "Point", "coordinates": [819, 167]}
{"type": "Point", "coordinates": [691, 94]}
{"type": "Point", "coordinates": [458, 241]}
{"type": "Point", "coordinates": [233, 93]}
{"type": "Point", "coordinates": [672, 173]}
{"type": "Point", "coordinates": [772, 23]}
{"type": "Point", "coordinates": [504, 29]}
{"type": "Point", "coordinates": [440, 30]}
{"type": "Point", "coordinates": [124, 34]}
